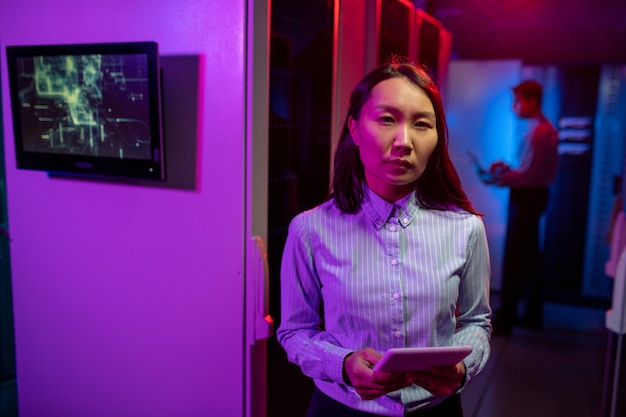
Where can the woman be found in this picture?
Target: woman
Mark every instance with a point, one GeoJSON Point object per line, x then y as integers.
{"type": "Point", "coordinates": [397, 257]}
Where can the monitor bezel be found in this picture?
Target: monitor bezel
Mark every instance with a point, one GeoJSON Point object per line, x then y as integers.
{"type": "Point", "coordinates": [100, 167]}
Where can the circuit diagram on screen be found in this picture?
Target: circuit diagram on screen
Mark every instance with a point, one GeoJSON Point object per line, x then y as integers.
{"type": "Point", "coordinates": [91, 105]}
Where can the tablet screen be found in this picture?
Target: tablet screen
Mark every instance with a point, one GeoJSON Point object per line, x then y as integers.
{"type": "Point", "coordinates": [421, 359]}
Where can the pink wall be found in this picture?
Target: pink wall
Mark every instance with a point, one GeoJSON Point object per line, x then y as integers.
{"type": "Point", "coordinates": [129, 299]}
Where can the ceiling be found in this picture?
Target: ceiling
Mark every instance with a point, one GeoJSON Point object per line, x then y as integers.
{"type": "Point", "coordinates": [535, 31]}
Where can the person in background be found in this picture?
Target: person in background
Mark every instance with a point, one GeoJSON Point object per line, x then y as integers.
{"type": "Point", "coordinates": [528, 199]}
{"type": "Point", "coordinates": [396, 257]}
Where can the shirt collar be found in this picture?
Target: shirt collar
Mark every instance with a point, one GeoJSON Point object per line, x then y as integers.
{"type": "Point", "coordinates": [380, 211]}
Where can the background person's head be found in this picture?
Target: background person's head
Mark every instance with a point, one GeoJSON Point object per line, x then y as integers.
{"type": "Point", "coordinates": [438, 186]}
{"type": "Point", "coordinates": [527, 98]}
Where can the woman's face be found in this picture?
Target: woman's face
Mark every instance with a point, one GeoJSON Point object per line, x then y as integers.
{"type": "Point", "coordinates": [396, 133]}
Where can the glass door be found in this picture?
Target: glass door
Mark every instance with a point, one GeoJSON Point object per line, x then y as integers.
{"type": "Point", "coordinates": [301, 59]}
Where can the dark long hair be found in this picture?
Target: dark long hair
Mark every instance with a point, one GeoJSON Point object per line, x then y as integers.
{"type": "Point", "coordinates": [439, 186]}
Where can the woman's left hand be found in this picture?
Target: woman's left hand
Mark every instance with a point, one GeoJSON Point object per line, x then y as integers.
{"type": "Point", "coordinates": [440, 380]}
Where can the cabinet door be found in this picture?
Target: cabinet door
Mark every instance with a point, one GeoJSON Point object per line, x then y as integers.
{"type": "Point", "coordinates": [7, 340]}
{"type": "Point", "coordinates": [301, 82]}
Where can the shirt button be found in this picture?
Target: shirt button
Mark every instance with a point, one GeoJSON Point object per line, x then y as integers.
{"type": "Point", "coordinates": [396, 296]}
{"type": "Point", "coordinates": [397, 334]}
{"type": "Point", "coordinates": [394, 262]}
{"type": "Point", "coordinates": [405, 220]}
{"type": "Point", "coordinates": [398, 406]}
{"type": "Point", "coordinates": [392, 228]}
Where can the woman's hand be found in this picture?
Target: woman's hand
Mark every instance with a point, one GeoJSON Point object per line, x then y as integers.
{"type": "Point", "coordinates": [367, 383]}
{"type": "Point", "coordinates": [440, 380]}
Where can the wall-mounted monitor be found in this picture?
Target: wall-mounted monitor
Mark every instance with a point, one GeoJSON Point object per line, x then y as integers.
{"type": "Point", "coordinates": [89, 110]}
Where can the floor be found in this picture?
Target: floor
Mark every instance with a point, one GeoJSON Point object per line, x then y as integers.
{"type": "Point", "coordinates": [559, 371]}
{"type": "Point", "coordinates": [8, 398]}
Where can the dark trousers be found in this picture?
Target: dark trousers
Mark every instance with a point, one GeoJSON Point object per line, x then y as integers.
{"type": "Point", "coordinates": [322, 405]}
{"type": "Point", "coordinates": [523, 264]}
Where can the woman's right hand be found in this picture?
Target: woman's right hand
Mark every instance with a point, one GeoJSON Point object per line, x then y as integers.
{"type": "Point", "coordinates": [367, 383]}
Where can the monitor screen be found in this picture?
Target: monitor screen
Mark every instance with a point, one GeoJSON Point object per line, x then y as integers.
{"type": "Point", "coordinates": [88, 109]}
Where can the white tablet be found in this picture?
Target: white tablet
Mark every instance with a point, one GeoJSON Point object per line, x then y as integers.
{"type": "Point", "coordinates": [421, 359]}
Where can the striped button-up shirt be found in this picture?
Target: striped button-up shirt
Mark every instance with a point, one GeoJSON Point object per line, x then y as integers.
{"type": "Point", "coordinates": [392, 275]}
